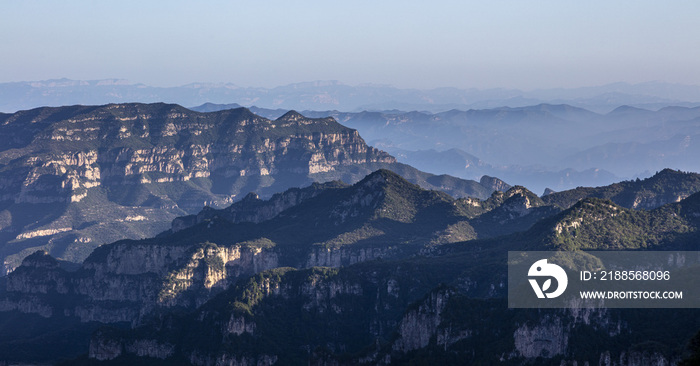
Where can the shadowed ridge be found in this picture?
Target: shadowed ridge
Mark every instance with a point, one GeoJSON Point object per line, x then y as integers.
{"type": "Point", "coordinates": [664, 187]}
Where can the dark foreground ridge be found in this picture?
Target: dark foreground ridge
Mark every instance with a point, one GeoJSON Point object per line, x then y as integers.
{"type": "Point", "coordinates": [379, 272]}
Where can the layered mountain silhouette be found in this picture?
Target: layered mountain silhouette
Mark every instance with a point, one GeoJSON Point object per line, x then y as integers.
{"type": "Point", "coordinates": [540, 146]}
{"type": "Point", "coordinates": [324, 95]}
{"type": "Point", "coordinates": [154, 234]}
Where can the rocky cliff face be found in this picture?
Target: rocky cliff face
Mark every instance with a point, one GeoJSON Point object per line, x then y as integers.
{"type": "Point", "coordinates": [336, 257]}
{"type": "Point", "coordinates": [418, 326]}
{"type": "Point", "coordinates": [75, 148]}
{"type": "Point", "coordinates": [548, 338]}
{"type": "Point", "coordinates": [494, 183]}
{"type": "Point", "coordinates": [75, 177]}
{"type": "Point", "coordinates": [130, 281]}
{"type": "Point", "coordinates": [357, 316]}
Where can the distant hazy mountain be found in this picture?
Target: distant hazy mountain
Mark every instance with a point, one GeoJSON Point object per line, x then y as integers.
{"type": "Point", "coordinates": [542, 146]}
{"type": "Point", "coordinates": [554, 139]}
{"type": "Point", "coordinates": [325, 95]}
{"type": "Point", "coordinates": [458, 163]}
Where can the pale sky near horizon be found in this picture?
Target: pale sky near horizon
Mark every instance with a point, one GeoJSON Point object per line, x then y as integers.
{"type": "Point", "coordinates": [481, 44]}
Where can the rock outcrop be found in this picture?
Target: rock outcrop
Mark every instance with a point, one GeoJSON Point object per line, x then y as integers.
{"type": "Point", "coordinates": [128, 282]}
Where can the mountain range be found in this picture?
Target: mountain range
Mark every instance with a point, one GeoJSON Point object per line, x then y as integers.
{"type": "Point", "coordinates": [73, 178]}
{"type": "Point", "coordinates": [325, 95]}
{"type": "Point", "coordinates": [379, 272]}
{"type": "Point", "coordinates": [156, 234]}
{"type": "Point", "coordinates": [556, 139]}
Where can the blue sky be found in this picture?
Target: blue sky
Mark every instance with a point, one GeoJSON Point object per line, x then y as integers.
{"type": "Point", "coordinates": [481, 44]}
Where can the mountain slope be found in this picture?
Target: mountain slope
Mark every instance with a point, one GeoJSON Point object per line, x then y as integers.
{"type": "Point", "coordinates": [347, 316]}
{"type": "Point", "coordinates": [383, 216]}
{"type": "Point", "coordinates": [600, 224]}
{"type": "Point", "coordinates": [192, 299]}
{"type": "Point", "coordinates": [664, 187]}
{"type": "Point", "coordinates": [400, 311]}
{"type": "Point", "coordinates": [594, 224]}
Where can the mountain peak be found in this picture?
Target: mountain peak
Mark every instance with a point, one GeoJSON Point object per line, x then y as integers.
{"type": "Point", "coordinates": [494, 183]}
{"type": "Point", "coordinates": [386, 173]}
{"type": "Point", "coordinates": [626, 109]}
{"type": "Point", "coordinates": [251, 197]}
{"type": "Point", "coordinates": [213, 107]}
{"type": "Point", "coordinates": [589, 209]}
{"type": "Point", "coordinates": [393, 197]}
{"type": "Point", "coordinates": [383, 177]}
{"type": "Point", "coordinates": [666, 172]}
{"type": "Point", "coordinates": [40, 259]}
{"type": "Point", "coordinates": [516, 198]}
{"type": "Point", "coordinates": [521, 191]}
{"type": "Point", "coordinates": [291, 116]}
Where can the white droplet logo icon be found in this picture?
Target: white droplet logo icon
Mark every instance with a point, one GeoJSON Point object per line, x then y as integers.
{"type": "Point", "coordinates": [543, 269]}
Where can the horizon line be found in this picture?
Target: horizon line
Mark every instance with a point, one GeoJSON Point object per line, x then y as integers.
{"type": "Point", "coordinates": [334, 82]}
